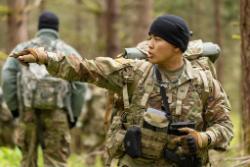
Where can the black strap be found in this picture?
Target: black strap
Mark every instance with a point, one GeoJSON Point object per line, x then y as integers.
{"type": "Point", "coordinates": [39, 128]}
{"type": "Point", "coordinates": [163, 93]}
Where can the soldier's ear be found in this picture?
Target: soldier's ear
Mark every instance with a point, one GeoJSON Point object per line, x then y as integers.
{"type": "Point", "coordinates": [177, 50]}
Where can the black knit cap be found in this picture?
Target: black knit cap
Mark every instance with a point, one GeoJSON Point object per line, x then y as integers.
{"type": "Point", "coordinates": [171, 28]}
{"type": "Point", "coordinates": [48, 20]}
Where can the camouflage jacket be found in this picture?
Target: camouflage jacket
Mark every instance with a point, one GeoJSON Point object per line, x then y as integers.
{"type": "Point", "coordinates": [49, 39]}
{"type": "Point", "coordinates": [135, 81]}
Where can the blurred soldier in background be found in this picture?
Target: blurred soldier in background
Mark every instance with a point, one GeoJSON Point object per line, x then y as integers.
{"type": "Point", "coordinates": [89, 135]}
{"type": "Point", "coordinates": [47, 106]}
{"type": "Point", "coordinates": [7, 124]}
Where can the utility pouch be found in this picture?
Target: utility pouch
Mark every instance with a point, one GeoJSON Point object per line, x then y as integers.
{"type": "Point", "coordinates": [174, 127]}
{"type": "Point", "coordinates": [132, 142]}
{"type": "Point", "coordinates": [154, 136]}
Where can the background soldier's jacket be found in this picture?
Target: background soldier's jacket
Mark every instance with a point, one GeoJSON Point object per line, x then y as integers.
{"type": "Point", "coordinates": [50, 40]}
{"type": "Point", "coordinates": [143, 92]}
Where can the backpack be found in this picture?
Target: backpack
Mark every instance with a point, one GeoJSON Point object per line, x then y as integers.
{"type": "Point", "coordinates": [203, 55]}
{"type": "Point", "coordinates": [38, 90]}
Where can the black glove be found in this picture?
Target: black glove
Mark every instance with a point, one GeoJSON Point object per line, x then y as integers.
{"type": "Point", "coordinates": [15, 113]}
{"type": "Point", "coordinates": [72, 124]}
{"type": "Point", "coordinates": [191, 144]}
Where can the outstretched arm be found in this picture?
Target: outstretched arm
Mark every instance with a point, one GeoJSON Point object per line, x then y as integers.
{"type": "Point", "coordinates": [102, 71]}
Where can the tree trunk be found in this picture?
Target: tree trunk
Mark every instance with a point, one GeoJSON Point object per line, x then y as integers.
{"type": "Point", "coordinates": [218, 37]}
{"type": "Point", "coordinates": [101, 24]}
{"type": "Point", "coordinates": [78, 25]}
{"type": "Point", "coordinates": [245, 60]}
{"type": "Point", "coordinates": [143, 12]}
{"type": "Point", "coordinates": [43, 5]}
{"type": "Point", "coordinates": [191, 19]}
{"type": "Point", "coordinates": [17, 23]}
{"type": "Point", "coordinates": [198, 19]}
{"type": "Point", "coordinates": [112, 41]}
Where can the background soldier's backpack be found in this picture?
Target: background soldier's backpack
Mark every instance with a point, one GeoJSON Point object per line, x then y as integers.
{"type": "Point", "coordinates": [38, 90]}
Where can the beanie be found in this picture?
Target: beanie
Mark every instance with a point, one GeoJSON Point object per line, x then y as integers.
{"type": "Point", "coordinates": [48, 20]}
{"type": "Point", "coordinates": [172, 29]}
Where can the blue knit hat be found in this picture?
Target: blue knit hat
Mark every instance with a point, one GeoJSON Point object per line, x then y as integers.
{"type": "Point", "coordinates": [172, 29]}
{"type": "Point", "coordinates": [48, 20]}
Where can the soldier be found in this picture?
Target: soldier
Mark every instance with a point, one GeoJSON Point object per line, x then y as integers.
{"type": "Point", "coordinates": [7, 124]}
{"type": "Point", "coordinates": [92, 125]}
{"type": "Point", "coordinates": [47, 106]}
{"type": "Point", "coordinates": [173, 112]}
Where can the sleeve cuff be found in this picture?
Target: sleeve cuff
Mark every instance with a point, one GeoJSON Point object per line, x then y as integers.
{"type": "Point", "coordinates": [212, 137]}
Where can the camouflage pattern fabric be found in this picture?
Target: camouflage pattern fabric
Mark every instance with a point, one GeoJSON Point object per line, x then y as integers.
{"type": "Point", "coordinates": [135, 81]}
{"type": "Point", "coordinates": [91, 133]}
{"type": "Point", "coordinates": [56, 129]}
{"type": "Point", "coordinates": [56, 137]}
{"type": "Point", "coordinates": [38, 90]}
{"type": "Point", "coordinates": [7, 124]}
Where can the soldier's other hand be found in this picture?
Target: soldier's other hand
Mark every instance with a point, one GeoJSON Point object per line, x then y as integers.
{"type": "Point", "coordinates": [194, 140]}
{"type": "Point", "coordinates": [32, 55]}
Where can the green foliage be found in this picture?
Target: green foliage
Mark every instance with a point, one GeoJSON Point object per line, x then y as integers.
{"type": "Point", "coordinates": [93, 6]}
{"type": "Point", "coordinates": [231, 10]}
{"type": "Point", "coordinates": [168, 6]}
{"type": "Point", "coordinates": [12, 158]}
{"type": "Point", "coordinates": [4, 10]}
{"type": "Point", "coordinates": [3, 56]}
{"type": "Point", "coordinates": [236, 36]}
{"type": "Point", "coordinates": [75, 161]}
{"type": "Point", "coordinates": [9, 157]}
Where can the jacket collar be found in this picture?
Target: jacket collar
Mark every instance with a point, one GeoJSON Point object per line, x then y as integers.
{"type": "Point", "coordinates": [187, 75]}
{"type": "Point", "coordinates": [49, 33]}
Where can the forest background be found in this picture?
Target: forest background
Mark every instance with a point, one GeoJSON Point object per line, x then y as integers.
{"type": "Point", "coordinates": [105, 27]}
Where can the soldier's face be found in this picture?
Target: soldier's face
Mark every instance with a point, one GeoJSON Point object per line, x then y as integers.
{"type": "Point", "coordinates": [160, 50]}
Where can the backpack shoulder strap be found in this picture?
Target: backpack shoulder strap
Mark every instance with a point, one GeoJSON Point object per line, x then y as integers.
{"type": "Point", "coordinates": [207, 81]}
{"type": "Point", "coordinates": [145, 69]}
{"type": "Point", "coordinates": [181, 94]}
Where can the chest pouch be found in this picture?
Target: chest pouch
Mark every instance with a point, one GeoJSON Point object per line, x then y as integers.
{"type": "Point", "coordinates": [149, 140]}
{"type": "Point", "coordinates": [132, 142]}
{"type": "Point", "coordinates": [155, 118]}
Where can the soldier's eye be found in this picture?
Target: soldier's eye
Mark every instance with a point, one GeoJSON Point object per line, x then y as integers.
{"type": "Point", "coordinates": [149, 37]}
{"type": "Point", "coordinates": [157, 38]}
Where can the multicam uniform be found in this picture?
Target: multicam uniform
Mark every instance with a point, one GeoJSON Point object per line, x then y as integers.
{"type": "Point", "coordinates": [92, 129]}
{"type": "Point", "coordinates": [193, 92]}
{"type": "Point", "coordinates": [56, 129]}
{"type": "Point", "coordinates": [7, 124]}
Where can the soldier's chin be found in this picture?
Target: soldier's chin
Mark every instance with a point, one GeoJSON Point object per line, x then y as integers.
{"type": "Point", "coordinates": [151, 60]}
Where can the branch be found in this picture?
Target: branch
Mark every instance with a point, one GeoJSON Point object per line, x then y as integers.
{"type": "Point", "coordinates": [95, 7]}
{"type": "Point", "coordinates": [36, 4]}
